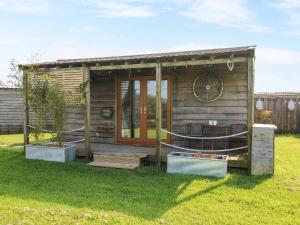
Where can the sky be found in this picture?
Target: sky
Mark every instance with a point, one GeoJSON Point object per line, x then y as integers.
{"type": "Point", "coordinates": [58, 29]}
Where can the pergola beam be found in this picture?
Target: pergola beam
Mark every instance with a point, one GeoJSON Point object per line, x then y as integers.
{"type": "Point", "coordinates": [169, 64]}
{"type": "Point", "coordinates": [26, 110]}
{"type": "Point", "coordinates": [158, 113]}
{"type": "Point", "coordinates": [86, 78]}
{"type": "Point", "coordinates": [250, 116]}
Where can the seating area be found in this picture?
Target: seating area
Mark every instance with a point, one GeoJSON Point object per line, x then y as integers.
{"type": "Point", "coordinates": [205, 130]}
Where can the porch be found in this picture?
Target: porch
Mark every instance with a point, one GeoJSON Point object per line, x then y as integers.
{"type": "Point", "coordinates": [234, 161]}
{"type": "Point", "coordinates": [129, 100]}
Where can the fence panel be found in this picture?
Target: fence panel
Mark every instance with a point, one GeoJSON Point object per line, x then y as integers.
{"type": "Point", "coordinates": [286, 119]}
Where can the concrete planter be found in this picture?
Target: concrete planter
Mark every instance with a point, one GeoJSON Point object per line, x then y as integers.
{"type": "Point", "coordinates": [197, 164]}
{"type": "Point", "coordinates": [50, 153]}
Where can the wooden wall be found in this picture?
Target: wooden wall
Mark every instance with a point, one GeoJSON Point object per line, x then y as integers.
{"type": "Point", "coordinates": [103, 94]}
{"type": "Point", "coordinates": [70, 80]}
{"type": "Point", "coordinates": [11, 111]}
{"type": "Point", "coordinates": [230, 108]}
{"type": "Point", "coordinates": [286, 121]}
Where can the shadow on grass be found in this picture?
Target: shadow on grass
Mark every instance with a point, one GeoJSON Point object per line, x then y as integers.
{"type": "Point", "coordinates": [146, 193]}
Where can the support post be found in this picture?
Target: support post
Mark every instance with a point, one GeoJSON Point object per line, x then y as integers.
{"type": "Point", "coordinates": [158, 113]}
{"type": "Point", "coordinates": [26, 110]}
{"type": "Point", "coordinates": [250, 108]}
{"type": "Point", "coordinates": [86, 79]}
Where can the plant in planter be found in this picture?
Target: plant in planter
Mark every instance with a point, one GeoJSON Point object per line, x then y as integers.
{"type": "Point", "coordinates": [59, 103]}
{"type": "Point", "coordinates": [49, 105]}
{"type": "Point", "coordinates": [47, 100]}
{"type": "Point", "coordinates": [38, 101]}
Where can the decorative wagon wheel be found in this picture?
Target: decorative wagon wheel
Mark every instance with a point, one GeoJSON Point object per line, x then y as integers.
{"type": "Point", "coordinates": [208, 87]}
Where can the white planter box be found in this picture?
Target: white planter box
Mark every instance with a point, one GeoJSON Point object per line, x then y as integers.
{"type": "Point", "coordinates": [50, 153]}
{"type": "Point", "coordinates": [186, 163]}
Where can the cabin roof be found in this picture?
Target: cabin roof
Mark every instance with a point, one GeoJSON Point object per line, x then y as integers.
{"type": "Point", "coordinates": [217, 52]}
{"type": "Point", "coordinates": [277, 94]}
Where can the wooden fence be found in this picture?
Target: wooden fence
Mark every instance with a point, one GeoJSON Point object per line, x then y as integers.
{"type": "Point", "coordinates": [286, 119]}
{"type": "Point", "coordinates": [11, 110]}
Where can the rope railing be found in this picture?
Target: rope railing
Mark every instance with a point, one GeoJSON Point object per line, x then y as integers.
{"type": "Point", "coordinates": [205, 138]}
{"type": "Point", "coordinates": [204, 151]}
{"type": "Point", "coordinates": [70, 142]}
{"type": "Point", "coordinates": [50, 131]}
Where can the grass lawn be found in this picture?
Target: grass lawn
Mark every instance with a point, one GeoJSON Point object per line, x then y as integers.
{"type": "Point", "coordinates": [17, 139]}
{"type": "Point", "coordinates": [35, 192]}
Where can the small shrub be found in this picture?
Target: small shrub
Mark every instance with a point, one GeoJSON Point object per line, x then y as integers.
{"type": "Point", "coordinates": [264, 117]}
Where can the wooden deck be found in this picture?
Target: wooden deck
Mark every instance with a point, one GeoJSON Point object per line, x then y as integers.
{"type": "Point", "coordinates": [236, 161]}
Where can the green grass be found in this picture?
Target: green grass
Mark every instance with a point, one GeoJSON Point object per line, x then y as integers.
{"type": "Point", "coordinates": [17, 139]}
{"type": "Point", "coordinates": [151, 133]}
{"type": "Point", "coordinates": [36, 192]}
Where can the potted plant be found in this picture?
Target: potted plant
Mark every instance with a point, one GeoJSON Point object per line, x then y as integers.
{"type": "Point", "coordinates": [49, 104]}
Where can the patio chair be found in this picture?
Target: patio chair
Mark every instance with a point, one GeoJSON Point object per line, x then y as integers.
{"type": "Point", "coordinates": [193, 130]}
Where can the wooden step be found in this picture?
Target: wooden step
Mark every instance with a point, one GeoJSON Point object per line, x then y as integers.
{"type": "Point", "coordinates": [118, 160]}
{"type": "Point", "coordinates": [114, 165]}
{"type": "Point", "coordinates": [139, 155]}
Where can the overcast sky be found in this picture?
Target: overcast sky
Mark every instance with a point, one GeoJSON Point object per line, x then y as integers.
{"type": "Point", "coordinates": [58, 29]}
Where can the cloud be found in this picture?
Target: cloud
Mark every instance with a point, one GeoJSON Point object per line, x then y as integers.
{"type": "Point", "coordinates": [294, 32]}
{"type": "Point", "coordinates": [82, 29]}
{"type": "Point", "coordinates": [278, 68]}
{"type": "Point", "coordinates": [278, 56]}
{"type": "Point", "coordinates": [24, 6]}
{"type": "Point", "coordinates": [292, 9]}
{"type": "Point", "coordinates": [117, 8]}
{"type": "Point", "coordinates": [232, 13]}
{"type": "Point", "coordinates": [288, 4]}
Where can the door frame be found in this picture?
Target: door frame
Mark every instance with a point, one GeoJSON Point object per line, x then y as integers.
{"type": "Point", "coordinates": [143, 140]}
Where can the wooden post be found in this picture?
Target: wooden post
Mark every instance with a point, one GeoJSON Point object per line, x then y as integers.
{"type": "Point", "coordinates": [158, 113]}
{"type": "Point", "coordinates": [26, 110]}
{"type": "Point", "coordinates": [250, 108]}
{"type": "Point", "coordinates": [86, 79]}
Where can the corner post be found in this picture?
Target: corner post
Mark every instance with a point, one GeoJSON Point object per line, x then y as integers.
{"type": "Point", "coordinates": [250, 118]}
{"type": "Point", "coordinates": [26, 110]}
{"type": "Point", "coordinates": [158, 113]}
{"type": "Point", "coordinates": [86, 79]}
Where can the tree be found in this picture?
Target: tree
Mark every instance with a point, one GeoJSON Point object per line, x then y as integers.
{"type": "Point", "coordinates": [15, 75]}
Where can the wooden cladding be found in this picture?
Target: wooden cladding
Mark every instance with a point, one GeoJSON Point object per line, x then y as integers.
{"type": "Point", "coordinates": [69, 79]}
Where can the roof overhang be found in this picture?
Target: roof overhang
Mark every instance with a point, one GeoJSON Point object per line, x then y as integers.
{"type": "Point", "coordinates": [182, 58]}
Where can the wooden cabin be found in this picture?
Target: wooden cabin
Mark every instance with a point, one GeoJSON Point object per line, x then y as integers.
{"type": "Point", "coordinates": [129, 100]}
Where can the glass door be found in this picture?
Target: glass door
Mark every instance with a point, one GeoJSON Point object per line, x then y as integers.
{"type": "Point", "coordinates": [136, 108]}
{"type": "Point", "coordinates": [151, 108]}
{"type": "Point", "coordinates": [130, 102]}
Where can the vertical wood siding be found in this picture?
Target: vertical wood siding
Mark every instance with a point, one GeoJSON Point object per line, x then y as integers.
{"type": "Point", "coordinates": [284, 119]}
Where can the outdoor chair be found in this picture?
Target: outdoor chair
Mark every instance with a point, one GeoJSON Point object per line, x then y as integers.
{"type": "Point", "coordinates": [193, 130]}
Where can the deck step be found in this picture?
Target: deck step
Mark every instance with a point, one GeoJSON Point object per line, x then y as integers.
{"type": "Point", "coordinates": [115, 165]}
{"type": "Point", "coordinates": [118, 160]}
{"type": "Point", "coordinates": [139, 155]}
